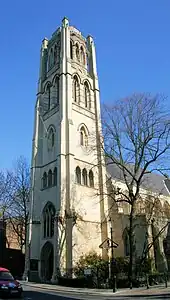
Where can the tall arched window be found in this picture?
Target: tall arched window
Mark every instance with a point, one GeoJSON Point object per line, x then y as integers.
{"type": "Point", "coordinates": [83, 137]}
{"type": "Point", "coordinates": [48, 91]}
{"type": "Point", "coordinates": [55, 176]}
{"type": "Point", "coordinates": [75, 89]}
{"type": "Point", "coordinates": [58, 51]}
{"type": "Point", "coordinates": [78, 175]}
{"type": "Point", "coordinates": [51, 138]}
{"type": "Point", "coordinates": [57, 89]}
{"type": "Point", "coordinates": [55, 54]}
{"type": "Point", "coordinates": [48, 220]}
{"type": "Point", "coordinates": [91, 178]}
{"type": "Point", "coordinates": [86, 95]}
{"type": "Point", "coordinates": [51, 58]}
{"type": "Point", "coordinates": [71, 49]}
{"type": "Point", "coordinates": [126, 242]}
{"type": "Point", "coordinates": [82, 56]}
{"type": "Point", "coordinates": [84, 175]}
{"type": "Point", "coordinates": [77, 52]}
{"type": "Point", "coordinates": [44, 180]}
{"type": "Point", "coordinates": [45, 226]}
{"type": "Point", "coordinates": [50, 178]}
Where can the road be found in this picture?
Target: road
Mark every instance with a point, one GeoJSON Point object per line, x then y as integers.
{"type": "Point", "coordinates": [39, 294]}
{"type": "Point", "coordinates": [34, 293]}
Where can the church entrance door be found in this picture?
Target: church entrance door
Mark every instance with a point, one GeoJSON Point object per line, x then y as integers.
{"type": "Point", "coordinates": [47, 257]}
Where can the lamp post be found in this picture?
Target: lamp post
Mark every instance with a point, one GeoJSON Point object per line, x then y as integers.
{"type": "Point", "coordinates": [113, 277]}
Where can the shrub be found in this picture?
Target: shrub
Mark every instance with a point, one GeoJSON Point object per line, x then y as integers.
{"type": "Point", "coordinates": [99, 267]}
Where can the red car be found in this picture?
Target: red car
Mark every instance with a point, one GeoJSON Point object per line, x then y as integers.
{"type": "Point", "coordinates": [8, 285]}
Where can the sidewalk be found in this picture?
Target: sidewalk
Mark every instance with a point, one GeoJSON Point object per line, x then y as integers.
{"type": "Point", "coordinates": [143, 291]}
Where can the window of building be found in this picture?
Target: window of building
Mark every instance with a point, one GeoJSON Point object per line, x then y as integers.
{"type": "Point", "coordinates": [44, 225]}
{"type": "Point", "coordinates": [91, 178]}
{"type": "Point", "coordinates": [57, 89]}
{"type": "Point", "coordinates": [77, 52]}
{"type": "Point", "coordinates": [82, 56]}
{"type": "Point", "coordinates": [44, 180]}
{"type": "Point", "coordinates": [48, 91]}
{"type": "Point", "coordinates": [55, 176]}
{"type": "Point", "coordinates": [83, 137]}
{"type": "Point", "coordinates": [78, 175]}
{"type": "Point", "coordinates": [71, 49]}
{"type": "Point", "coordinates": [55, 54]}
{"type": "Point", "coordinates": [51, 59]}
{"type": "Point", "coordinates": [51, 138]}
{"type": "Point", "coordinates": [84, 175]}
{"type": "Point", "coordinates": [48, 220]}
{"type": "Point", "coordinates": [50, 178]}
{"type": "Point", "coordinates": [75, 89]}
{"type": "Point", "coordinates": [58, 51]}
{"type": "Point", "coordinates": [126, 242]}
{"type": "Point", "coordinates": [86, 94]}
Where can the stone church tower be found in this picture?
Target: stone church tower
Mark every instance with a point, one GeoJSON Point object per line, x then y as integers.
{"type": "Point", "coordinates": [67, 207]}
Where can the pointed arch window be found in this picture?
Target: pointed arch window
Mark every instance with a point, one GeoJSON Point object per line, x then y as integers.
{"type": "Point", "coordinates": [71, 49]}
{"type": "Point", "coordinates": [51, 138]}
{"type": "Point", "coordinates": [83, 137]}
{"type": "Point", "coordinates": [51, 59]}
{"type": "Point", "coordinates": [55, 54]}
{"type": "Point", "coordinates": [45, 225]}
{"type": "Point", "coordinates": [55, 176]}
{"type": "Point", "coordinates": [44, 180]}
{"type": "Point", "coordinates": [48, 220]}
{"type": "Point", "coordinates": [57, 89]}
{"type": "Point", "coordinates": [84, 175]}
{"type": "Point", "coordinates": [48, 225]}
{"type": "Point", "coordinates": [50, 178]}
{"type": "Point", "coordinates": [58, 51]}
{"type": "Point", "coordinates": [91, 178]}
{"type": "Point", "coordinates": [77, 52]}
{"type": "Point", "coordinates": [82, 56]}
{"type": "Point", "coordinates": [126, 242]}
{"type": "Point", "coordinates": [86, 95]}
{"type": "Point", "coordinates": [48, 91]}
{"type": "Point", "coordinates": [78, 175]}
{"type": "Point", "coordinates": [75, 89]}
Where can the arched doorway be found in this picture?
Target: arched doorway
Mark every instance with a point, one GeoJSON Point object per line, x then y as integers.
{"type": "Point", "coordinates": [47, 257]}
{"type": "Point", "coordinates": [125, 237]}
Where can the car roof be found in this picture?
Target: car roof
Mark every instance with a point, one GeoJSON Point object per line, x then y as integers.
{"type": "Point", "coordinates": [3, 270]}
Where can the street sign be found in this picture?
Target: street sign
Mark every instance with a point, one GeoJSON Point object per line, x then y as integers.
{"type": "Point", "coordinates": [107, 244]}
{"type": "Point", "coordinates": [87, 271]}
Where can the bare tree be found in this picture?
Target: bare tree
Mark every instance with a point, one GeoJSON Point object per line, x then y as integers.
{"type": "Point", "coordinates": [17, 213]}
{"type": "Point", "coordinates": [5, 190]}
{"type": "Point", "coordinates": [136, 134]}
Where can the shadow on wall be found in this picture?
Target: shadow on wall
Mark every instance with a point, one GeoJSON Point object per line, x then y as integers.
{"type": "Point", "coordinates": [160, 262]}
{"type": "Point", "coordinates": [166, 245]}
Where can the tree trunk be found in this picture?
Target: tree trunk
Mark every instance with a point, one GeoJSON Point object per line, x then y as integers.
{"type": "Point", "coordinates": [131, 244]}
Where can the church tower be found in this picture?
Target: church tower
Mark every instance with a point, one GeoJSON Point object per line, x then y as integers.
{"type": "Point", "coordinates": [67, 206]}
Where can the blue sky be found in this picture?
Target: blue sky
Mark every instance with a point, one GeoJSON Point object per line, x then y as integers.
{"type": "Point", "coordinates": [133, 54]}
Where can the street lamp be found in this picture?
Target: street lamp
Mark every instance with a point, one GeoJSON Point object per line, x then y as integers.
{"type": "Point", "coordinates": [113, 245]}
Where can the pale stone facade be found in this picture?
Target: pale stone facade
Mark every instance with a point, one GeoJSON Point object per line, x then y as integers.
{"type": "Point", "coordinates": [68, 215]}
{"type": "Point", "coordinates": [68, 212]}
{"type": "Point", "coordinates": [152, 218]}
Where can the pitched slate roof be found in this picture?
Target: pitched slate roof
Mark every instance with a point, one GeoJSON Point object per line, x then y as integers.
{"type": "Point", "coordinates": [152, 181]}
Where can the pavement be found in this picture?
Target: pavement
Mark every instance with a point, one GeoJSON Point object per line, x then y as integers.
{"type": "Point", "coordinates": [37, 291]}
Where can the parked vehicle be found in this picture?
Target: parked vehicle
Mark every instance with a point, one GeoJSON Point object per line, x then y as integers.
{"type": "Point", "coordinates": [9, 287]}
